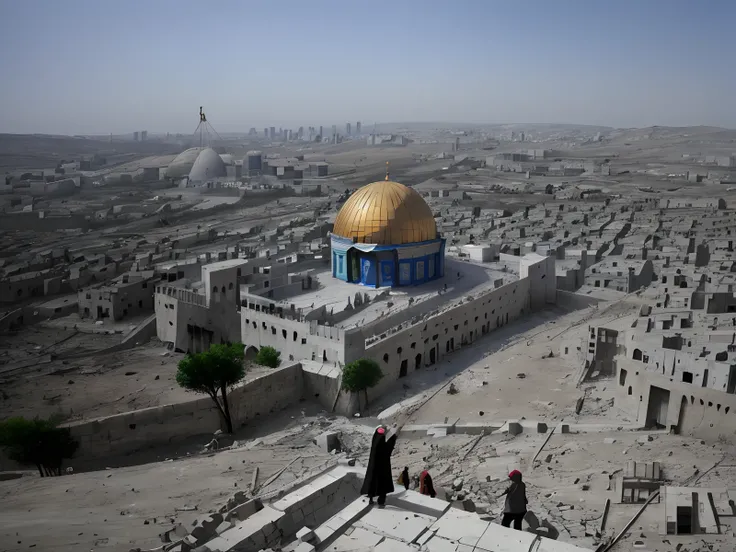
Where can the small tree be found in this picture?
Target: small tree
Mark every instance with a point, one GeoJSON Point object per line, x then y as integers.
{"type": "Point", "coordinates": [268, 356]}
{"type": "Point", "coordinates": [360, 375]}
{"type": "Point", "coordinates": [212, 372]}
{"type": "Point", "coordinates": [39, 442]}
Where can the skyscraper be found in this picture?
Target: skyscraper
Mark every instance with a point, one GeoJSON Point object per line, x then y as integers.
{"type": "Point", "coordinates": [357, 128]}
{"type": "Point", "coordinates": [347, 129]}
{"type": "Point", "coordinates": [273, 133]}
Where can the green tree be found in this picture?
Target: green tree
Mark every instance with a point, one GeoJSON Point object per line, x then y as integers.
{"type": "Point", "coordinates": [39, 442]}
{"type": "Point", "coordinates": [212, 372]}
{"type": "Point", "coordinates": [361, 375]}
{"type": "Point", "coordinates": [268, 356]}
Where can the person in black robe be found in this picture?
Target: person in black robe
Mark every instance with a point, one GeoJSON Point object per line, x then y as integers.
{"type": "Point", "coordinates": [425, 484]}
{"type": "Point", "coordinates": [404, 478]}
{"type": "Point", "coordinates": [378, 478]}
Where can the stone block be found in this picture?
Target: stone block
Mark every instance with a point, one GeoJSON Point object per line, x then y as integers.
{"type": "Point", "coordinates": [304, 497]}
{"type": "Point", "coordinates": [244, 510]}
{"type": "Point", "coordinates": [305, 534]}
{"type": "Point", "coordinates": [417, 503]}
{"type": "Point", "coordinates": [476, 428]}
{"type": "Point", "coordinates": [328, 441]}
{"type": "Point", "coordinates": [252, 532]}
{"type": "Point", "coordinates": [174, 534]}
{"type": "Point", "coordinates": [415, 430]}
{"type": "Point", "coordinates": [564, 428]}
{"type": "Point", "coordinates": [511, 427]}
{"type": "Point", "coordinates": [334, 527]}
{"type": "Point", "coordinates": [224, 526]}
{"type": "Point", "coordinates": [437, 431]}
{"type": "Point", "coordinates": [483, 507]}
{"type": "Point", "coordinates": [207, 528]}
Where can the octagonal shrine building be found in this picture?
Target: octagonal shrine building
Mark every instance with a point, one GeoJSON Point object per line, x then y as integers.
{"type": "Point", "coordinates": [385, 235]}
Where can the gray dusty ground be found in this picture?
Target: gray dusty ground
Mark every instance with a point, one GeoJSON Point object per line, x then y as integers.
{"type": "Point", "coordinates": [108, 509]}
{"type": "Point", "coordinates": [100, 511]}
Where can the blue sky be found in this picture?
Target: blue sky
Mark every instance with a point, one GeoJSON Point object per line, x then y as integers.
{"type": "Point", "coordinates": [99, 66]}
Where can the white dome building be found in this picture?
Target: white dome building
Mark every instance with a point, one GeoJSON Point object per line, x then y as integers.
{"type": "Point", "coordinates": [182, 163]}
{"type": "Point", "coordinates": [196, 164]}
{"type": "Point", "coordinates": [208, 165]}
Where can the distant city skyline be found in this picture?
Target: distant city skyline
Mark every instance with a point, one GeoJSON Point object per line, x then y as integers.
{"type": "Point", "coordinates": [86, 67]}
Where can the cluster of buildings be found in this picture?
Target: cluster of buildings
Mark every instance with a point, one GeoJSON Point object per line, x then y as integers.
{"type": "Point", "coordinates": [311, 133]}
{"type": "Point", "coordinates": [204, 167]}
{"type": "Point", "coordinates": [674, 361]}
{"type": "Point", "coordinates": [328, 301]}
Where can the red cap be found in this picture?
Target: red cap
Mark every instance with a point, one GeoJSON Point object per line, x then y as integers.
{"type": "Point", "coordinates": [513, 473]}
{"type": "Point", "coordinates": [381, 430]}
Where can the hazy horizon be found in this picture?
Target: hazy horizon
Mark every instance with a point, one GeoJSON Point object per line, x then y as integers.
{"type": "Point", "coordinates": [84, 67]}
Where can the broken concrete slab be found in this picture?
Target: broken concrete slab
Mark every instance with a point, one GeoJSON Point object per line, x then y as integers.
{"type": "Point", "coordinates": [331, 529]}
{"type": "Point", "coordinates": [395, 523]}
{"type": "Point", "coordinates": [357, 539]}
{"type": "Point", "coordinates": [412, 501]}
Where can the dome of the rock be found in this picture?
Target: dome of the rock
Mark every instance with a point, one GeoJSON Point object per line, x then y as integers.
{"type": "Point", "coordinates": [385, 213]}
{"type": "Point", "coordinates": [385, 235]}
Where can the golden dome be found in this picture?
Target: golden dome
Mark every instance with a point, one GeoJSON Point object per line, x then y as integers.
{"type": "Point", "coordinates": [386, 213]}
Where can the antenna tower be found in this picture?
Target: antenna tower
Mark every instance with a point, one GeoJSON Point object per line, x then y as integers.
{"type": "Point", "coordinates": [205, 130]}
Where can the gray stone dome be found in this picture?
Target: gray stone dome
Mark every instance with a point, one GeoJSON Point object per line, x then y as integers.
{"type": "Point", "coordinates": [207, 165]}
{"type": "Point", "coordinates": [182, 163]}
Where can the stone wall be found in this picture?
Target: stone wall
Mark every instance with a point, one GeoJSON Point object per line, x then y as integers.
{"type": "Point", "coordinates": [139, 429]}
{"type": "Point", "coordinates": [430, 341]}
{"type": "Point", "coordinates": [322, 384]}
{"type": "Point", "coordinates": [687, 409]}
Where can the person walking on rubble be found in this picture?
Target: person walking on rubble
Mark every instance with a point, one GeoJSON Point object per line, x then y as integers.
{"type": "Point", "coordinates": [378, 479]}
{"type": "Point", "coordinates": [404, 478]}
{"type": "Point", "coordinates": [425, 484]}
{"type": "Point", "coordinates": [514, 508]}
